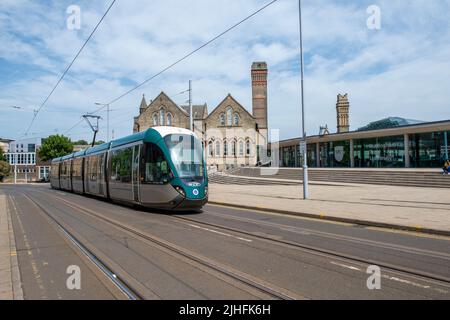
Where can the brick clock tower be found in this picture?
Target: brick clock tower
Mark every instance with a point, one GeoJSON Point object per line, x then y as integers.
{"type": "Point", "coordinates": [259, 92]}
{"type": "Point", "coordinates": [342, 112]}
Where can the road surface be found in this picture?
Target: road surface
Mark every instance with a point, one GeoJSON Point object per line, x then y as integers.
{"type": "Point", "coordinates": [220, 253]}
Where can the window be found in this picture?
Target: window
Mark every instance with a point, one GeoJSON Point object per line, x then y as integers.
{"type": "Point", "coordinates": [236, 119]}
{"type": "Point", "coordinates": [222, 119]}
{"type": "Point", "coordinates": [241, 148]}
{"type": "Point", "coordinates": [217, 149]}
{"type": "Point", "coordinates": [93, 164]}
{"type": "Point", "coordinates": [186, 152]}
{"type": "Point", "coordinates": [229, 116]}
{"type": "Point", "coordinates": [121, 165]}
{"type": "Point", "coordinates": [210, 149]}
{"type": "Point", "coordinates": [155, 119]}
{"type": "Point", "coordinates": [162, 117]}
{"type": "Point", "coordinates": [169, 119]}
{"type": "Point", "coordinates": [225, 148]}
{"type": "Point", "coordinates": [154, 166]}
{"type": "Point", "coordinates": [233, 148]}
{"type": "Point", "coordinates": [248, 148]}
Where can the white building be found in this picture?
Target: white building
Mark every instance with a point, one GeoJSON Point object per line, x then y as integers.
{"type": "Point", "coordinates": [25, 166]}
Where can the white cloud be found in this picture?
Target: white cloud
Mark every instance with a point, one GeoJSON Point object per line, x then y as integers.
{"type": "Point", "coordinates": [395, 71]}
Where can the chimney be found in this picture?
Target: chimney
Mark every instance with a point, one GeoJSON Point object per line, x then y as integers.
{"type": "Point", "coordinates": [342, 112]}
{"type": "Point", "coordinates": [259, 91]}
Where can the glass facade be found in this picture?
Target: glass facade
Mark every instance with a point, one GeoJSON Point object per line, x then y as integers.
{"type": "Point", "coordinates": [383, 152]}
{"type": "Point", "coordinates": [427, 150]}
{"type": "Point", "coordinates": [291, 156]}
{"type": "Point", "coordinates": [335, 154]}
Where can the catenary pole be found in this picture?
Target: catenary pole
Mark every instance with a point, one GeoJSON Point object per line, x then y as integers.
{"type": "Point", "coordinates": [191, 120]}
{"type": "Point", "coordinates": [304, 146]}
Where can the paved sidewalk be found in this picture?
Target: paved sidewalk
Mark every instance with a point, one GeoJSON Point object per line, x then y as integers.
{"type": "Point", "coordinates": [407, 208]}
{"type": "Point", "coordinates": [10, 287]}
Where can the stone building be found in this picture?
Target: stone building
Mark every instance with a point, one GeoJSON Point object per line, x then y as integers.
{"type": "Point", "coordinates": [231, 135]}
{"type": "Point", "coordinates": [342, 112]}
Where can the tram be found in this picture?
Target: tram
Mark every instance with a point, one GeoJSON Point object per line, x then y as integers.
{"type": "Point", "coordinates": [162, 168]}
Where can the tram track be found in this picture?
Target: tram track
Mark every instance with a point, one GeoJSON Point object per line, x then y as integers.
{"type": "Point", "coordinates": [445, 281]}
{"type": "Point", "coordinates": [274, 292]}
{"type": "Point", "coordinates": [122, 285]}
{"type": "Point", "coordinates": [266, 290]}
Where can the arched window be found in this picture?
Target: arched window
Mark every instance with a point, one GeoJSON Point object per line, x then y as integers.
{"type": "Point", "coordinates": [169, 119]}
{"type": "Point", "coordinates": [248, 148]}
{"type": "Point", "coordinates": [241, 148]}
{"type": "Point", "coordinates": [210, 149]}
{"type": "Point", "coordinates": [225, 148]}
{"type": "Point", "coordinates": [217, 149]}
{"type": "Point", "coordinates": [162, 117]}
{"type": "Point", "coordinates": [229, 116]}
{"type": "Point", "coordinates": [236, 119]}
{"type": "Point", "coordinates": [233, 148]}
{"type": "Point", "coordinates": [222, 119]}
{"type": "Point", "coordinates": [155, 119]}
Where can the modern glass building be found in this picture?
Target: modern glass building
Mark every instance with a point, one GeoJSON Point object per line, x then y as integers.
{"type": "Point", "coordinates": [419, 145]}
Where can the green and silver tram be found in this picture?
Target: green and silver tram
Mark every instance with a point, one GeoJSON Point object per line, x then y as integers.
{"type": "Point", "coordinates": [162, 167]}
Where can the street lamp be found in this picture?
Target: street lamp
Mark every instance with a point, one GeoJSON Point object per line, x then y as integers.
{"type": "Point", "coordinates": [303, 143]}
{"type": "Point", "coordinates": [107, 118]}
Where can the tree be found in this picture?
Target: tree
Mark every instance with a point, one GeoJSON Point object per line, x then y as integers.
{"type": "Point", "coordinates": [81, 143]}
{"type": "Point", "coordinates": [54, 147]}
{"type": "Point", "coordinates": [2, 155]}
{"type": "Point", "coordinates": [99, 142]}
{"type": "Point", "coordinates": [4, 170]}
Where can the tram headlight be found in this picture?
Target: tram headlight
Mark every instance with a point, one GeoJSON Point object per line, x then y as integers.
{"type": "Point", "coordinates": [180, 191]}
{"type": "Point", "coordinates": [206, 191]}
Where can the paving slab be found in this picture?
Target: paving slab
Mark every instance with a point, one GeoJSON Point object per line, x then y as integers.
{"type": "Point", "coordinates": [408, 208]}
{"type": "Point", "coordinates": [6, 288]}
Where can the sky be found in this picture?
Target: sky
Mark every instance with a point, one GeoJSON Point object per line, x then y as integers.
{"type": "Point", "coordinates": [400, 69]}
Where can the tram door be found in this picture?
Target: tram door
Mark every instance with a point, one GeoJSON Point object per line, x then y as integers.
{"type": "Point", "coordinates": [135, 172]}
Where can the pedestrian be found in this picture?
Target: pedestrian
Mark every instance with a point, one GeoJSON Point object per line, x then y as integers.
{"type": "Point", "coordinates": [446, 167]}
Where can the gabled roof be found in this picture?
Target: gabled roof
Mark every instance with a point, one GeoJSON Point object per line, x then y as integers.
{"type": "Point", "coordinates": [200, 111]}
{"type": "Point", "coordinates": [239, 105]}
{"type": "Point", "coordinates": [168, 98]}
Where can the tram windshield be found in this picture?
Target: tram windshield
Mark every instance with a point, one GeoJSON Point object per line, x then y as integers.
{"type": "Point", "coordinates": [187, 156]}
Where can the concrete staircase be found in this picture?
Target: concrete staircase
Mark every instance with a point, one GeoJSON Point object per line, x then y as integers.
{"type": "Point", "coordinates": [394, 177]}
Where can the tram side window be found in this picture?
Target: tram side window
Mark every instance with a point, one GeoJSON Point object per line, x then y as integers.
{"type": "Point", "coordinates": [63, 169]}
{"type": "Point", "coordinates": [121, 165]}
{"type": "Point", "coordinates": [154, 169]}
{"type": "Point", "coordinates": [93, 168]}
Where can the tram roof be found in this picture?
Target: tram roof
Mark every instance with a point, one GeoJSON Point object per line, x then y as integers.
{"type": "Point", "coordinates": [79, 153]}
{"type": "Point", "coordinates": [150, 135]}
{"type": "Point", "coordinates": [67, 157]}
{"type": "Point", "coordinates": [99, 148]}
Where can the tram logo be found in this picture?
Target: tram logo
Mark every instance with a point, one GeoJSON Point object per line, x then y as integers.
{"type": "Point", "coordinates": [339, 153]}
{"type": "Point", "coordinates": [195, 192]}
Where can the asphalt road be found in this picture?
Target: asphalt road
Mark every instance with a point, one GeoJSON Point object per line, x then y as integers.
{"type": "Point", "coordinates": [221, 253]}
